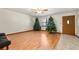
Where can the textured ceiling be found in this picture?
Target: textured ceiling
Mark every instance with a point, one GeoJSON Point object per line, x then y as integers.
{"type": "Point", "coordinates": [49, 12]}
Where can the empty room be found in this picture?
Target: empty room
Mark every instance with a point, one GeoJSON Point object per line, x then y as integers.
{"type": "Point", "coordinates": [39, 29]}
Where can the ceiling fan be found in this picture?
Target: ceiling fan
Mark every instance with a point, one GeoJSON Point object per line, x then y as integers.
{"type": "Point", "coordinates": [39, 10]}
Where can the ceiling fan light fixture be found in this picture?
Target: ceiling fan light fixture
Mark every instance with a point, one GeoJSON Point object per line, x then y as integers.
{"type": "Point", "coordinates": [39, 12]}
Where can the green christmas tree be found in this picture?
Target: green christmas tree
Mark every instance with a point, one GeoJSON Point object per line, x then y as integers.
{"type": "Point", "coordinates": [51, 27]}
{"type": "Point", "coordinates": [37, 26]}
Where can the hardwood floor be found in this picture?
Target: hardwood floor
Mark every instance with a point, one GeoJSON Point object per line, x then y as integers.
{"type": "Point", "coordinates": [33, 40]}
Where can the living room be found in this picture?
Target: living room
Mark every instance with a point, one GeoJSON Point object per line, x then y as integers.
{"type": "Point", "coordinates": [18, 25]}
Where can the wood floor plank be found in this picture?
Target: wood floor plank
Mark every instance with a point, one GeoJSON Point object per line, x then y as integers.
{"type": "Point", "coordinates": [33, 40]}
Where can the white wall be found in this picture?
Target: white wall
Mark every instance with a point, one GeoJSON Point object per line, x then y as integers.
{"type": "Point", "coordinates": [78, 23]}
{"type": "Point", "coordinates": [12, 22]}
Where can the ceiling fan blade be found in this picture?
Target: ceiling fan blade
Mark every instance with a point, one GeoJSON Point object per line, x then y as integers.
{"type": "Point", "coordinates": [45, 10]}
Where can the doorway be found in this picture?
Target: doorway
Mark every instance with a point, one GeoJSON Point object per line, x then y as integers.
{"type": "Point", "coordinates": [68, 23]}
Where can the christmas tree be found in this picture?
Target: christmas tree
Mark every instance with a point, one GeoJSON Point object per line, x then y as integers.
{"type": "Point", "coordinates": [51, 27]}
{"type": "Point", "coordinates": [37, 26]}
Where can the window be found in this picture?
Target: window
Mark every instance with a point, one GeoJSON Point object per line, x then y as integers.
{"type": "Point", "coordinates": [44, 23]}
